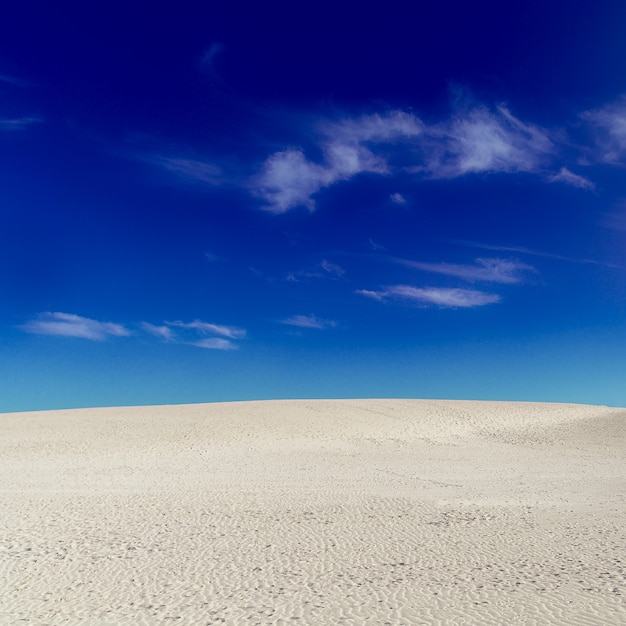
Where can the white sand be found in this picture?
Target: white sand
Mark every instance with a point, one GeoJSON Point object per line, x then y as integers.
{"type": "Point", "coordinates": [314, 512]}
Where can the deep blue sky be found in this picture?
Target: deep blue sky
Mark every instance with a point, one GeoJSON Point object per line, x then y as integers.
{"type": "Point", "coordinates": [202, 202]}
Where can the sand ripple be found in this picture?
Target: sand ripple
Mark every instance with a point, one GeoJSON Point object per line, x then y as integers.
{"type": "Point", "coordinates": [353, 512]}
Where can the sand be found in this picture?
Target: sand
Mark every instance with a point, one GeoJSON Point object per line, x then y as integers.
{"type": "Point", "coordinates": [314, 512]}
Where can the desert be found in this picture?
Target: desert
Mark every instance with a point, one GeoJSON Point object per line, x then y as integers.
{"type": "Point", "coordinates": [389, 511]}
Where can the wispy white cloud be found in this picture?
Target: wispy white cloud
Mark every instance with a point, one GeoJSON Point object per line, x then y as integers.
{"type": "Point", "coordinates": [481, 140]}
{"type": "Point", "coordinates": [288, 179]}
{"type": "Point", "coordinates": [309, 321]}
{"type": "Point", "coordinates": [474, 140]}
{"type": "Point", "coordinates": [376, 128]}
{"type": "Point", "coordinates": [19, 123]}
{"type": "Point", "coordinates": [332, 269]}
{"type": "Point", "coordinates": [70, 325]}
{"type": "Point", "coordinates": [324, 270]}
{"type": "Point", "coordinates": [616, 218]}
{"type": "Point", "coordinates": [483, 270]}
{"type": "Point", "coordinates": [569, 178]}
{"type": "Point", "coordinates": [437, 296]}
{"type": "Point", "coordinates": [14, 80]}
{"type": "Point", "coordinates": [608, 125]}
{"type": "Point", "coordinates": [530, 252]}
{"type": "Point", "coordinates": [215, 343]}
{"type": "Point", "coordinates": [189, 169]}
{"type": "Point", "coordinates": [164, 332]}
{"type": "Point", "coordinates": [232, 332]}
{"type": "Point", "coordinates": [207, 62]}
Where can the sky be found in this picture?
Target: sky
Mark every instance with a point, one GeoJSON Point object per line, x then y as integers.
{"type": "Point", "coordinates": [205, 201]}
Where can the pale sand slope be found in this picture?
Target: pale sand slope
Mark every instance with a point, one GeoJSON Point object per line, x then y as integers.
{"type": "Point", "coordinates": [314, 512]}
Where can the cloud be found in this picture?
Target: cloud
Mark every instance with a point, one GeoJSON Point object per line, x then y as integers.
{"type": "Point", "coordinates": [207, 62]}
{"type": "Point", "coordinates": [215, 343]}
{"type": "Point", "coordinates": [70, 325]}
{"type": "Point", "coordinates": [325, 270]}
{"type": "Point", "coordinates": [309, 321]}
{"type": "Point", "coordinates": [288, 179]}
{"type": "Point", "coordinates": [474, 140]}
{"type": "Point", "coordinates": [232, 332]}
{"type": "Point", "coordinates": [164, 332]}
{"type": "Point", "coordinates": [485, 270]}
{"type": "Point", "coordinates": [14, 80]}
{"type": "Point", "coordinates": [375, 246]}
{"type": "Point", "coordinates": [332, 268]}
{"type": "Point", "coordinates": [616, 219]}
{"type": "Point", "coordinates": [376, 128]}
{"type": "Point", "coordinates": [441, 297]}
{"type": "Point", "coordinates": [569, 178]}
{"type": "Point", "coordinates": [608, 125]}
{"type": "Point", "coordinates": [19, 123]}
{"type": "Point", "coordinates": [480, 140]}
{"type": "Point", "coordinates": [530, 252]}
{"type": "Point", "coordinates": [189, 169]}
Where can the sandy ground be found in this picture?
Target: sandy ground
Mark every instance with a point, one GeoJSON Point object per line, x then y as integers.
{"type": "Point", "coordinates": [314, 512]}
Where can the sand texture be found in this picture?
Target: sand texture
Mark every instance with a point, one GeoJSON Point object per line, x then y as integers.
{"type": "Point", "coordinates": [314, 512]}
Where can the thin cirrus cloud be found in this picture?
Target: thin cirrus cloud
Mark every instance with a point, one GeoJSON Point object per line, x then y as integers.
{"type": "Point", "coordinates": [397, 198]}
{"type": "Point", "coordinates": [163, 332]}
{"type": "Point", "coordinates": [231, 332]}
{"type": "Point", "coordinates": [608, 125]}
{"type": "Point", "coordinates": [12, 80]}
{"type": "Point", "coordinates": [288, 179]}
{"type": "Point", "coordinates": [215, 343]}
{"type": "Point", "coordinates": [325, 270]}
{"type": "Point", "coordinates": [192, 333]}
{"type": "Point", "coordinates": [485, 141]}
{"type": "Point", "coordinates": [493, 270]}
{"type": "Point", "coordinates": [476, 140]}
{"type": "Point", "coordinates": [195, 334]}
{"type": "Point", "coordinates": [530, 252]}
{"type": "Point", "coordinates": [19, 123]}
{"type": "Point", "coordinates": [436, 296]}
{"type": "Point", "coordinates": [309, 321]}
{"type": "Point", "coordinates": [564, 175]}
{"type": "Point", "coordinates": [70, 325]}
{"type": "Point", "coordinates": [191, 170]}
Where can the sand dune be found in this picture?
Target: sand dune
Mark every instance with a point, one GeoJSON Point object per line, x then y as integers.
{"type": "Point", "coordinates": [314, 512]}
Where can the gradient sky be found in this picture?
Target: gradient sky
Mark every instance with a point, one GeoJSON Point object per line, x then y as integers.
{"type": "Point", "coordinates": [202, 202]}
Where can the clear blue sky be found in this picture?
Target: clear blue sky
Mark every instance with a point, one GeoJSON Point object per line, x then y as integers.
{"type": "Point", "coordinates": [205, 201]}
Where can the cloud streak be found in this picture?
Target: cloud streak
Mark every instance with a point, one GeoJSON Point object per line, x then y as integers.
{"type": "Point", "coordinates": [309, 321]}
{"type": "Point", "coordinates": [206, 328]}
{"type": "Point", "coordinates": [493, 270]}
{"type": "Point", "coordinates": [70, 325]}
{"type": "Point", "coordinates": [473, 141]}
{"type": "Point", "coordinates": [191, 333]}
{"type": "Point", "coordinates": [19, 123]}
{"type": "Point", "coordinates": [530, 252]}
{"type": "Point", "coordinates": [608, 125]}
{"type": "Point", "coordinates": [193, 170]}
{"type": "Point", "coordinates": [288, 179]}
{"type": "Point", "coordinates": [437, 296]}
{"type": "Point", "coordinates": [215, 343]}
{"type": "Point", "coordinates": [485, 141]}
{"type": "Point", "coordinates": [163, 332]}
{"type": "Point", "coordinates": [14, 80]}
{"type": "Point", "coordinates": [568, 177]}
